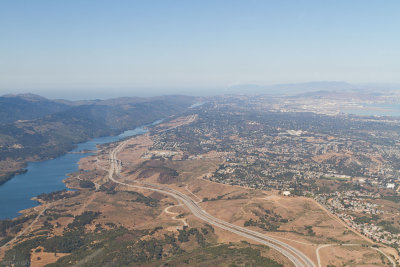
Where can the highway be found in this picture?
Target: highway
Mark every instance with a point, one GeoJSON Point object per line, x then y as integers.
{"type": "Point", "coordinates": [294, 255]}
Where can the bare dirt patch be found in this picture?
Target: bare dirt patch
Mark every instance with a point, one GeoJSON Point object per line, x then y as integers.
{"type": "Point", "coordinates": [40, 258]}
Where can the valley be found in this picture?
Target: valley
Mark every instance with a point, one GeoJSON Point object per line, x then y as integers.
{"type": "Point", "coordinates": [166, 193]}
{"type": "Point", "coordinates": [37, 135]}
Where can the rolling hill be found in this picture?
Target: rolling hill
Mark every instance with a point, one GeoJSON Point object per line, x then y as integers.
{"type": "Point", "coordinates": [34, 133]}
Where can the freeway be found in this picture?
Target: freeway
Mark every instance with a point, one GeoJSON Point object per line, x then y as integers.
{"type": "Point", "coordinates": [294, 255]}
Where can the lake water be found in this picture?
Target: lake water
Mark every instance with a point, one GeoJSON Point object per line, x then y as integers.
{"type": "Point", "coordinates": [376, 110]}
{"type": "Point", "coordinates": [47, 176]}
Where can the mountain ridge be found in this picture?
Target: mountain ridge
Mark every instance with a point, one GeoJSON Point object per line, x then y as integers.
{"type": "Point", "coordinates": [49, 134]}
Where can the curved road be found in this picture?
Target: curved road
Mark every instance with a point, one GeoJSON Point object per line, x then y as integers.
{"type": "Point", "coordinates": [294, 255]}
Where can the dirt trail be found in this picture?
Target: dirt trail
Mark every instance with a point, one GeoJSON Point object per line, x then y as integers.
{"type": "Point", "coordinates": [343, 223]}
{"type": "Point", "coordinates": [166, 210]}
{"type": "Point", "coordinates": [26, 228]}
{"type": "Point", "coordinates": [89, 200]}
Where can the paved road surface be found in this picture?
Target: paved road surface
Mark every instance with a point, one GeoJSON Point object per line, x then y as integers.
{"type": "Point", "coordinates": [296, 256]}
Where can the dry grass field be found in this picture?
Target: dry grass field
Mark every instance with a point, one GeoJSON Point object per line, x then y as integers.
{"type": "Point", "coordinates": [298, 221]}
{"type": "Point", "coordinates": [236, 204]}
{"type": "Point", "coordinates": [40, 258]}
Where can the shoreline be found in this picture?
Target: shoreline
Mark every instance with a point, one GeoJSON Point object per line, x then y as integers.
{"type": "Point", "coordinates": [9, 175]}
{"type": "Point", "coordinates": [25, 163]}
{"type": "Point", "coordinates": [84, 153]}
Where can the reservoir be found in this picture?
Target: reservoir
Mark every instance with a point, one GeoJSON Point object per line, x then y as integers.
{"type": "Point", "coordinates": [46, 176]}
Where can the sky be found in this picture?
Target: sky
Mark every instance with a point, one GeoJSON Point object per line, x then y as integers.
{"type": "Point", "coordinates": [85, 48]}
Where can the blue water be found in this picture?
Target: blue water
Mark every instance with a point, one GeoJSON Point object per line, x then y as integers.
{"type": "Point", "coordinates": [376, 110]}
{"type": "Point", "coordinates": [47, 176]}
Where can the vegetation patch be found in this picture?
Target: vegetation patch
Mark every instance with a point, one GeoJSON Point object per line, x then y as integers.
{"type": "Point", "coordinates": [86, 184]}
{"type": "Point", "coordinates": [269, 220]}
{"type": "Point", "coordinates": [13, 226]}
{"type": "Point", "coordinates": [148, 201]}
{"type": "Point", "coordinates": [224, 255]}
{"type": "Point", "coordinates": [57, 195]}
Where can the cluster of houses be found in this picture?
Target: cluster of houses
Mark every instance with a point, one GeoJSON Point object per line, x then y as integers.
{"type": "Point", "coordinates": [355, 209]}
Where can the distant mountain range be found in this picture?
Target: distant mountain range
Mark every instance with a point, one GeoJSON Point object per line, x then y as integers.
{"type": "Point", "coordinates": [310, 87]}
{"type": "Point", "coordinates": [289, 89]}
{"type": "Point", "coordinates": [340, 95]}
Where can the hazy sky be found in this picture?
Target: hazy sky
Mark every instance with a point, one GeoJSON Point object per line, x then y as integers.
{"type": "Point", "coordinates": [85, 45]}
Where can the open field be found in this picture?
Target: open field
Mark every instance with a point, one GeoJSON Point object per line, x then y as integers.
{"type": "Point", "coordinates": [223, 201]}
{"type": "Point", "coordinates": [299, 222]}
